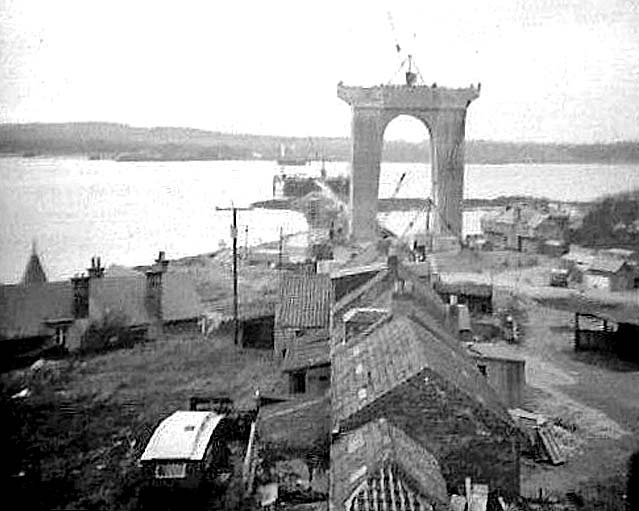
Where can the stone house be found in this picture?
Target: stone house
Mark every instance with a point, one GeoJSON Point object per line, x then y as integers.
{"type": "Point", "coordinates": [523, 228]}
{"type": "Point", "coordinates": [308, 365]}
{"type": "Point", "coordinates": [298, 427]}
{"type": "Point", "coordinates": [477, 297]}
{"type": "Point", "coordinates": [42, 314]}
{"type": "Point", "coordinates": [377, 464]}
{"type": "Point", "coordinates": [426, 385]}
{"type": "Point", "coordinates": [610, 274]}
{"type": "Point", "coordinates": [304, 308]}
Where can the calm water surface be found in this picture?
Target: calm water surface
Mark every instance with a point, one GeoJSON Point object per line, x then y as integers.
{"type": "Point", "coordinates": [127, 211]}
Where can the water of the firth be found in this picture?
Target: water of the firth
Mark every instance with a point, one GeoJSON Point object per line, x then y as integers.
{"type": "Point", "coordinates": [126, 212]}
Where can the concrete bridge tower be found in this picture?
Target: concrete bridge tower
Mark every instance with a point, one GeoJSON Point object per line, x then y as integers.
{"type": "Point", "coordinates": [443, 111]}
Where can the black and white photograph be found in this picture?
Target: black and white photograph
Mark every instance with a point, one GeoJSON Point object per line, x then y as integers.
{"type": "Point", "coordinates": [357, 255]}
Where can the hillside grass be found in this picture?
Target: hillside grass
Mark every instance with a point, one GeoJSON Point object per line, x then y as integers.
{"type": "Point", "coordinates": [78, 436]}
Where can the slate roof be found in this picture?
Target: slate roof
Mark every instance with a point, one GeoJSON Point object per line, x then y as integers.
{"type": "Point", "coordinates": [120, 295]}
{"type": "Point", "coordinates": [24, 309]}
{"type": "Point", "coordinates": [305, 301]}
{"type": "Point", "coordinates": [384, 281]}
{"type": "Point", "coordinates": [253, 309]}
{"type": "Point", "coordinates": [372, 365]}
{"type": "Point", "coordinates": [180, 300]}
{"type": "Point", "coordinates": [307, 353]}
{"type": "Point", "coordinates": [378, 465]}
{"type": "Point", "coordinates": [127, 294]}
{"type": "Point", "coordinates": [419, 300]}
{"type": "Point", "coordinates": [464, 288]}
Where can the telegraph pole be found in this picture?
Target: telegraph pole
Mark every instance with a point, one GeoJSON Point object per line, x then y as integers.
{"type": "Point", "coordinates": [236, 319]}
{"type": "Point", "coordinates": [236, 322]}
{"type": "Point", "coordinates": [281, 248]}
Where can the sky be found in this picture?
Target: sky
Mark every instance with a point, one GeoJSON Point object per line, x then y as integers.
{"type": "Point", "coordinates": [551, 70]}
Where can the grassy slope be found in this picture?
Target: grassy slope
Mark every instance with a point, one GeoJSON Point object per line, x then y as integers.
{"type": "Point", "coordinates": [88, 421]}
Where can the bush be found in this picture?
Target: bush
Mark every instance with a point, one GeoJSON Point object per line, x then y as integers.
{"type": "Point", "coordinates": [107, 333]}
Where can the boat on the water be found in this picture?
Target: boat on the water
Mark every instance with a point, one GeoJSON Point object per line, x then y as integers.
{"type": "Point", "coordinates": [288, 159]}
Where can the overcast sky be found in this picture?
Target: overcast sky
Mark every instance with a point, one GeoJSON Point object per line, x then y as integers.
{"type": "Point", "coordinates": [551, 70]}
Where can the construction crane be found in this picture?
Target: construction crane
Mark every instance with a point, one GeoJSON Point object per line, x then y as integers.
{"type": "Point", "coordinates": [410, 74]}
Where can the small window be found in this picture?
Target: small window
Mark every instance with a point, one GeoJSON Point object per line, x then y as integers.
{"type": "Point", "coordinates": [170, 471]}
{"type": "Point", "coordinates": [299, 333]}
{"type": "Point", "coordinates": [284, 353]}
{"type": "Point", "coordinates": [482, 369]}
{"type": "Point", "coordinates": [298, 382]}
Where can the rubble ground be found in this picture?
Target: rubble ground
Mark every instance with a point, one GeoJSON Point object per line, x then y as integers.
{"type": "Point", "coordinates": [592, 399]}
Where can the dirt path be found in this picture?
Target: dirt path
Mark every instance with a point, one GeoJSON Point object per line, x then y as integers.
{"type": "Point", "coordinates": [594, 399]}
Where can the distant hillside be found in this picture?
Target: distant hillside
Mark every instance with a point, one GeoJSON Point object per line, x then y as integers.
{"type": "Point", "coordinates": [108, 140]}
{"type": "Point", "coordinates": [611, 222]}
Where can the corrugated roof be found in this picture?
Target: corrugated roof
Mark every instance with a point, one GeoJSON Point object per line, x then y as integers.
{"type": "Point", "coordinates": [370, 366]}
{"type": "Point", "coordinates": [305, 301]}
{"type": "Point", "coordinates": [182, 436]}
{"type": "Point", "coordinates": [24, 309]}
{"type": "Point", "coordinates": [377, 464]}
{"type": "Point", "coordinates": [303, 354]}
{"type": "Point", "coordinates": [606, 264]}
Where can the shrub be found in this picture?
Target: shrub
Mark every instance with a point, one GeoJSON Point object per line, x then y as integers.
{"type": "Point", "coordinates": [107, 333]}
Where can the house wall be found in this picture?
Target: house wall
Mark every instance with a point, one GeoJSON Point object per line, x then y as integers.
{"type": "Point", "coordinates": [594, 280]}
{"type": "Point", "coordinates": [593, 340]}
{"type": "Point", "coordinates": [75, 334]}
{"type": "Point", "coordinates": [475, 304]}
{"type": "Point", "coordinates": [466, 439]}
{"type": "Point", "coordinates": [299, 428]}
{"type": "Point", "coordinates": [282, 340]}
{"type": "Point", "coordinates": [507, 377]}
{"type": "Point", "coordinates": [624, 279]}
{"type": "Point", "coordinates": [257, 333]}
{"type": "Point", "coordinates": [318, 380]}
{"type": "Point", "coordinates": [528, 245]}
{"type": "Point", "coordinates": [552, 228]}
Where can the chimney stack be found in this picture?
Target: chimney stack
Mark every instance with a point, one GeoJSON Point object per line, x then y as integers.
{"type": "Point", "coordinates": [161, 262]}
{"type": "Point", "coordinates": [96, 270]}
{"type": "Point", "coordinates": [154, 292]}
{"type": "Point", "coordinates": [80, 296]}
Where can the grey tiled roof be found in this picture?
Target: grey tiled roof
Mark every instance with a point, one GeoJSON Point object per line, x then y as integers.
{"type": "Point", "coordinates": [24, 309]}
{"type": "Point", "coordinates": [377, 466]}
{"type": "Point", "coordinates": [305, 301]}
